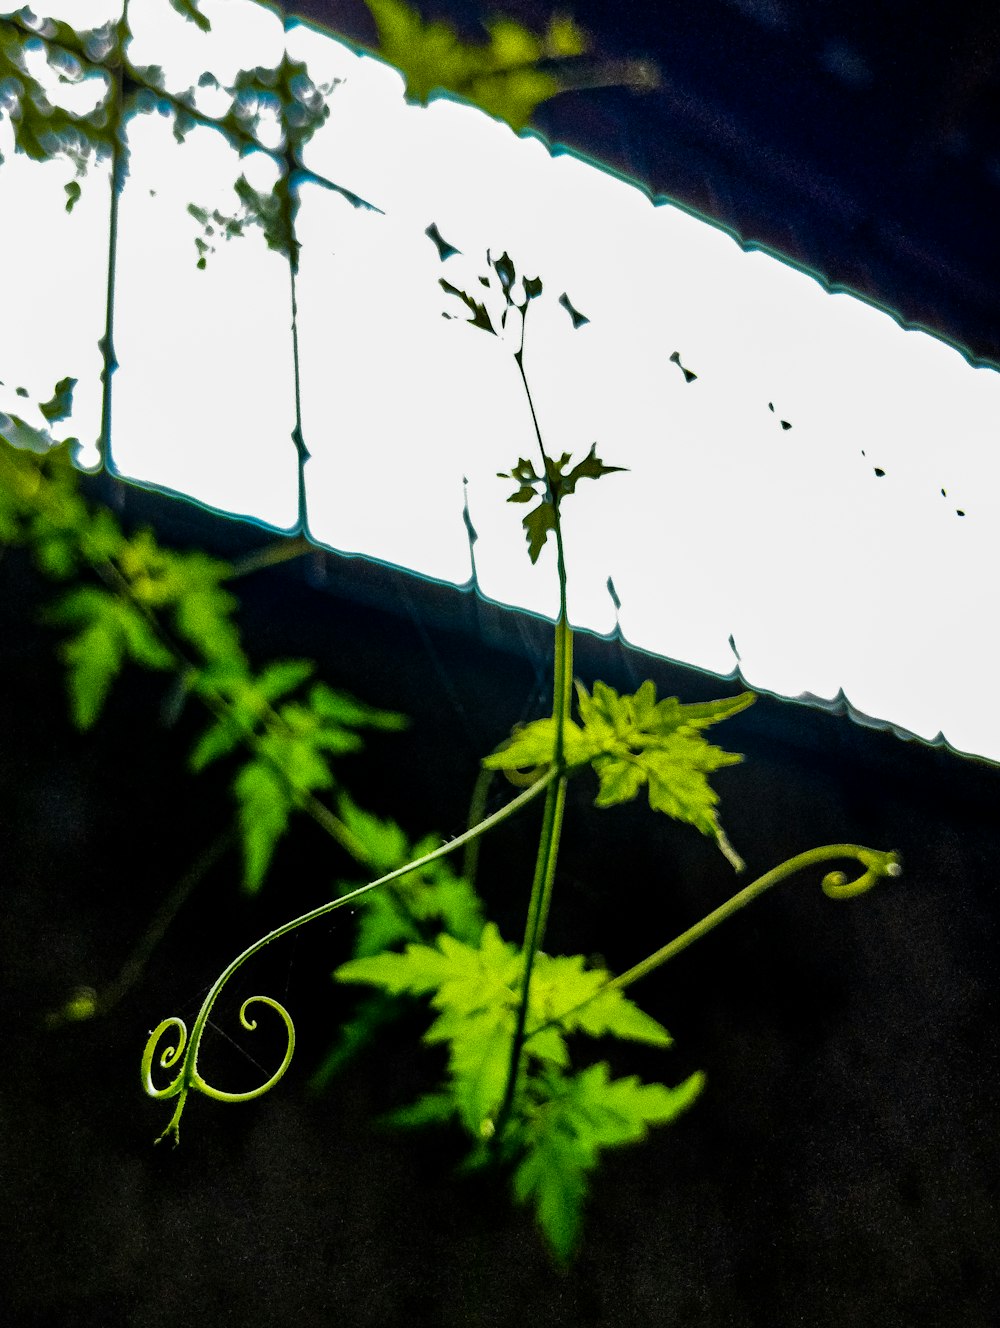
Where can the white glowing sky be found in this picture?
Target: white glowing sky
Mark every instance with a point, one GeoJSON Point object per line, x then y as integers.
{"type": "Point", "coordinates": [827, 576]}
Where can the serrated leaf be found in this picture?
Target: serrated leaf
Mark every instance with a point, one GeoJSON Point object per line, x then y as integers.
{"type": "Point", "coordinates": [637, 740]}
{"type": "Point", "coordinates": [418, 970]}
{"type": "Point", "coordinates": [480, 315]}
{"type": "Point", "coordinates": [557, 484]}
{"type": "Point", "coordinates": [110, 631]}
{"type": "Point", "coordinates": [345, 710]}
{"type": "Point", "coordinates": [533, 745]}
{"type": "Point", "coordinates": [539, 523]}
{"type": "Point", "coordinates": [580, 1115]}
{"type": "Point", "coordinates": [384, 844]}
{"type": "Point", "coordinates": [217, 740]}
{"type": "Point", "coordinates": [561, 984]}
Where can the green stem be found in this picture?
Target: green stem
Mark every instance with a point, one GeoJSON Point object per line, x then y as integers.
{"type": "Point", "coordinates": [186, 1051]}
{"type": "Point", "coordinates": [477, 810]}
{"type": "Point", "coordinates": [835, 886]}
{"type": "Point", "coordinates": [555, 801]}
{"type": "Point", "coordinates": [107, 343]}
{"type": "Point", "coordinates": [281, 551]}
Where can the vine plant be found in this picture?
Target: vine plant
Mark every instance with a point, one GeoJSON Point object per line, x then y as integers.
{"type": "Point", "coordinates": [510, 1016]}
{"type": "Point", "coordinates": [505, 1012]}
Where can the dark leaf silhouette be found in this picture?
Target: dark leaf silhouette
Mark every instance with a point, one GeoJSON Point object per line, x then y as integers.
{"type": "Point", "coordinates": [445, 250]}
{"type": "Point", "coordinates": [578, 318]}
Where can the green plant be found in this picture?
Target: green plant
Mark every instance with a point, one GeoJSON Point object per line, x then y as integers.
{"type": "Point", "coordinates": [511, 1017]}
{"type": "Point", "coordinates": [506, 1013]}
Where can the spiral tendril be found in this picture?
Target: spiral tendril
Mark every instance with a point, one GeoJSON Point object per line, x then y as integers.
{"type": "Point", "coordinates": [168, 1058]}
{"type": "Point", "coordinates": [221, 1095]}
{"type": "Point", "coordinates": [835, 884]}
{"type": "Point", "coordinates": [185, 1050]}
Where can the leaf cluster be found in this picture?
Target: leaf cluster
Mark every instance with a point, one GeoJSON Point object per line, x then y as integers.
{"type": "Point", "coordinates": [506, 75]}
{"type": "Point", "coordinates": [550, 489]}
{"type": "Point", "coordinates": [415, 908]}
{"type": "Point", "coordinates": [169, 610]}
{"type": "Point", "coordinates": [44, 129]}
{"type": "Point", "coordinates": [292, 741]}
{"type": "Point", "coordinates": [634, 742]}
{"type": "Point", "coordinates": [560, 1119]}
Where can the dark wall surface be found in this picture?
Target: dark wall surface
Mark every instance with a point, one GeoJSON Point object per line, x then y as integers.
{"type": "Point", "coordinates": [840, 1168]}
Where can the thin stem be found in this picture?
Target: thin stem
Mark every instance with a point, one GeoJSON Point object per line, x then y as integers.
{"type": "Point", "coordinates": [301, 451]}
{"type": "Point", "coordinates": [477, 810]}
{"type": "Point", "coordinates": [107, 343]}
{"type": "Point", "coordinates": [555, 801]}
{"type": "Point", "coordinates": [272, 555]}
{"type": "Point", "coordinates": [876, 863]}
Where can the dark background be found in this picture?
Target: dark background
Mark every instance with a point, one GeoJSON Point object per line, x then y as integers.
{"type": "Point", "coordinates": [841, 1167]}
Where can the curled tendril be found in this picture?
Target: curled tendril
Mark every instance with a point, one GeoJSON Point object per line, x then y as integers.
{"type": "Point", "coordinates": [876, 863]}
{"type": "Point", "coordinates": [835, 884]}
{"type": "Point", "coordinates": [220, 1094]}
{"type": "Point", "coordinates": [168, 1058]}
{"type": "Point", "coordinates": [188, 1077]}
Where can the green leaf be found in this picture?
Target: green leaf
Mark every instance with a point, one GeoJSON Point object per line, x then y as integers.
{"type": "Point", "coordinates": [73, 192]}
{"type": "Point", "coordinates": [110, 631]}
{"type": "Point", "coordinates": [61, 403]}
{"type": "Point", "coordinates": [577, 1117]}
{"type": "Point", "coordinates": [532, 746]}
{"type": "Point", "coordinates": [345, 711]}
{"type": "Point", "coordinates": [560, 985]}
{"type": "Point", "coordinates": [415, 907]}
{"type": "Point", "coordinates": [431, 1109]}
{"type": "Point", "coordinates": [503, 75]}
{"type": "Point", "coordinates": [475, 988]}
{"type": "Point", "coordinates": [282, 676]}
{"type": "Point", "coordinates": [636, 740]}
{"type": "Point", "coordinates": [248, 700]}
{"type": "Point", "coordinates": [264, 807]}
{"type": "Point", "coordinates": [556, 484]}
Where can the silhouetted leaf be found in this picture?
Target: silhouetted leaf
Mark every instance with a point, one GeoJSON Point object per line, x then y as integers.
{"type": "Point", "coordinates": [578, 318]}
{"type": "Point", "coordinates": [556, 485]}
{"type": "Point", "coordinates": [445, 250]}
{"type": "Point", "coordinates": [480, 317]}
{"type": "Point", "coordinates": [61, 403]}
{"type": "Point", "coordinates": [189, 9]}
{"type": "Point", "coordinates": [689, 377]}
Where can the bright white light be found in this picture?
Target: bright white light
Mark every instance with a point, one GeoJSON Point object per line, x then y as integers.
{"type": "Point", "coordinates": [54, 266]}
{"type": "Point", "coordinates": [804, 476]}
{"type": "Point", "coordinates": [204, 392]}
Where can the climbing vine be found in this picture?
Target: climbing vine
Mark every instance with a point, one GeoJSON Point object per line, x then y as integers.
{"type": "Point", "coordinates": [512, 1017]}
